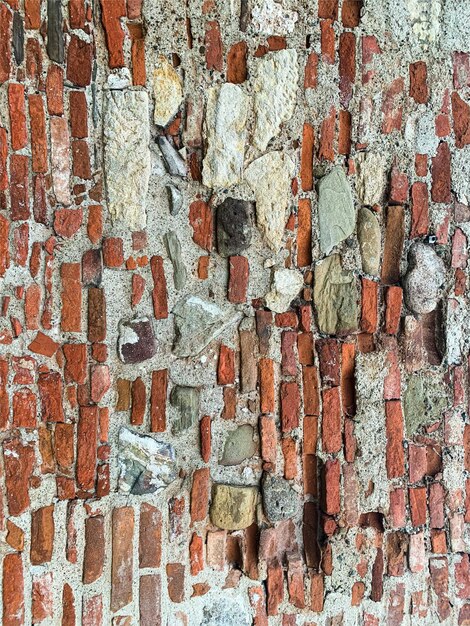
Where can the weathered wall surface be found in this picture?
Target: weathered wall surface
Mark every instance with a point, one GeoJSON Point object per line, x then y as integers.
{"type": "Point", "coordinates": [234, 326]}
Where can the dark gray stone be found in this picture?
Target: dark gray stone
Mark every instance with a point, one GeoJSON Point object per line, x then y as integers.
{"type": "Point", "coordinates": [233, 226]}
{"type": "Point", "coordinates": [186, 402]}
{"type": "Point", "coordinates": [136, 341]}
{"type": "Point", "coordinates": [18, 38]}
{"type": "Point", "coordinates": [55, 34]}
{"type": "Point", "coordinates": [280, 501]}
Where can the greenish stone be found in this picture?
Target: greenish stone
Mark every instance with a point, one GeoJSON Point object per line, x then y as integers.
{"type": "Point", "coordinates": [239, 445]}
{"type": "Point", "coordinates": [233, 508]}
{"type": "Point", "coordinates": [335, 297]}
{"type": "Point", "coordinates": [369, 236]}
{"type": "Point", "coordinates": [173, 247]}
{"type": "Point", "coordinates": [186, 402]}
{"type": "Point", "coordinates": [336, 215]}
{"type": "Point", "coordinates": [424, 401]}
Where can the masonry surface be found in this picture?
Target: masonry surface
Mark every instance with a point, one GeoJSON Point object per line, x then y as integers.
{"type": "Point", "coordinates": [234, 323]}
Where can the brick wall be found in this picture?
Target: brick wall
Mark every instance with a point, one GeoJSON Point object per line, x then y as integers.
{"type": "Point", "coordinates": [234, 326]}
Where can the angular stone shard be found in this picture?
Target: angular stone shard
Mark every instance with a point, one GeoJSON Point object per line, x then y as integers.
{"type": "Point", "coordinates": [285, 287]}
{"type": "Point", "coordinates": [175, 198]}
{"type": "Point", "coordinates": [239, 445]}
{"type": "Point", "coordinates": [174, 162]}
{"type": "Point", "coordinates": [370, 177]}
{"type": "Point", "coordinates": [186, 402]}
{"type": "Point", "coordinates": [146, 465]}
{"type": "Point", "coordinates": [273, 18]}
{"type": "Point", "coordinates": [226, 611]}
{"type": "Point", "coordinates": [167, 91]}
{"type": "Point", "coordinates": [275, 88]}
{"type": "Point", "coordinates": [126, 156]}
{"type": "Point", "coordinates": [336, 214]}
{"type": "Point", "coordinates": [280, 500]}
{"type": "Point", "coordinates": [335, 297]}
{"type": "Point", "coordinates": [136, 342]}
{"type": "Point", "coordinates": [270, 178]}
{"type": "Point", "coordinates": [424, 278]}
{"type": "Point", "coordinates": [226, 115]}
{"type": "Point", "coordinates": [424, 401]}
{"type": "Point", "coordinates": [369, 236]}
{"type": "Point", "coordinates": [55, 33]}
{"type": "Point", "coordinates": [18, 38]}
{"type": "Point", "coordinates": [173, 247]}
{"type": "Point", "coordinates": [197, 323]}
{"type": "Point", "coordinates": [233, 508]}
{"type": "Point", "coordinates": [233, 226]}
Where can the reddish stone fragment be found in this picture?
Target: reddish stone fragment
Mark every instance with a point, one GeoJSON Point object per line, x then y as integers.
{"type": "Point", "coordinates": [67, 221]}
{"type": "Point", "coordinates": [304, 230]}
{"type": "Point", "coordinates": [226, 366]}
{"type": "Point", "coordinates": [71, 320]}
{"type": "Point", "coordinates": [92, 611]}
{"type": "Point", "coordinates": [200, 218]}
{"type": "Point", "coordinates": [392, 108]}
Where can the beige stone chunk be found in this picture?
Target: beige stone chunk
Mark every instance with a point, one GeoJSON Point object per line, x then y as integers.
{"type": "Point", "coordinates": [233, 508]}
{"type": "Point", "coordinates": [167, 90]}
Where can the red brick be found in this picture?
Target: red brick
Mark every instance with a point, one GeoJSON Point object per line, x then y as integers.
{"type": "Point", "coordinates": [71, 297]}
{"type": "Point", "coordinates": [64, 446]}
{"type": "Point", "coordinates": [392, 107]}
{"type": "Point", "coordinates": [459, 249]}
{"type": "Point", "coordinates": [81, 160]}
{"type": "Point", "coordinates": [159, 293]}
{"type": "Point", "coordinates": [93, 557]}
{"type": "Point", "coordinates": [274, 587]}
{"type": "Point", "coordinates": [420, 210]}
{"type": "Point", "coordinates": [305, 348]}
{"type": "Point", "coordinates": [139, 402]}
{"type": "Point", "coordinates": [369, 310]}
{"type": "Point", "coordinates": [347, 67]}
{"type": "Point", "coordinates": [258, 604]}
{"type": "Point", "coordinates": [150, 600]}
{"type": "Point", "coordinates": [421, 164]}
{"type": "Point", "coordinates": [79, 61]}
{"type": "Point", "coordinates": [213, 43]}
{"type": "Point", "coordinates": [311, 69]}
{"type": "Point", "coordinates": [461, 64]}
{"type": "Point", "coordinates": [12, 579]}
{"type": "Point", "coordinates": [78, 114]}
{"type": "Point", "coordinates": [310, 389]}
{"type": "Point", "coordinates": [331, 420]}
{"type": "Point", "coordinates": [200, 494]}
{"type": "Point", "coordinates": [344, 133]}
{"type": "Point", "coordinates": [42, 535]}
{"type": "Point", "coordinates": [416, 462]}
{"type": "Point", "coordinates": [306, 166]}
{"type": "Point", "coordinates": [440, 170]}
{"type": "Point", "coordinates": [75, 362]}
{"type": "Point", "coordinates": [236, 63]}
{"type": "Point", "coordinates": [290, 406]}
{"type": "Point", "coordinates": [304, 232]}
{"type": "Point", "coordinates": [77, 15]}
{"type": "Point", "coordinates": [150, 536]}
{"type": "Point", "coordinates": [418, 505]}
{"type": "Point", "coordinates": [34, 62]}
{"type": "Point", "coordinates": [196, 554]}
{"type": "Point", "coordinates": [351, 13]}
{"type": "Point", "coordinates": [327, 41]}
{"type": "Point", "coordinates": [331, 491]}
{"type": "Point", "coordinates": [158, 401]}
{"type": "Point", "coordinates": [398, 187]}
{"type": "Point", "coordinates": [96, 315]}
{"type": "Point", "coordinates": [87, 436]}
{"type": "Point", "coordinates": [5, 45]}
{"type": "Point", "coordinates": [42, 598]}
{"type": "Point", "coordinates": [92, 611]}
{"type": "Point", "coordinates": [226, 366]}
{"type": "Point", "coordinates": [393, 246]}
{"type": "Point", "coordinates": [329, 357]}
{"type": "Point", "coordinates": [419, 90]}
{"type": "Point", "coordinates": [395, 460]}
{"type": "Point", "coordinates": [68, 606]}
{"type": "Point", "coordinates": [328, 9]}
{"type": "Point", "coordinates": [461, 117]}
{"type": "Point", "coordinates": [393, 304]}
{"type": "Point", "coordinates": [113, 255]}
{"type": "Point", "coordinates": [316, 592]}
{"type": "Point", "coordinates": [32, 306]}
{"type": "Point", "coordinates": [175, 578]}
{"type": "Point", "coordinates": [16, 107]}
{"type": "Point", "coordinates": [111, 12]}
{"type": "Point", "coordinates": [122, 559]}
{"type": "Point", "coordinates": [327, 137]}
{"type": "Point", "coordinates": [50, 393]}
{"type": "Point", "coordinates": [67, 222]}
{"type": "Point", "coordinates": [238, 279]}
{"type": "Point", "coordinates": [24, 408]}
{"type": "Point", "coordinates": [290, 454]}
{"type": "Point", "coordinates": [3, 159]}
{"type": "Point", "coordinates": [19, 187]}
{"type": "Point", "coordinates": [55, 90]}
{"type": "Point", "coordinates": [38, 133]}
{"type": "Point", "coordinates": [268, 436]}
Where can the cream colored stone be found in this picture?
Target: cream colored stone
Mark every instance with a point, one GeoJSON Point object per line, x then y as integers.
{"type": "Point", "coordinates": [233, 508]}
{"type": "Point", "coordinates": [226, 115]}
{"type": "Point", "coordinates": [275, 89]}
{"type": "Point", "coordinates": [285, 287]}
{"type": "Point", "coordinates": [126, 156]}
{"type": "Point", "coordinates": [370, 177]}
{"type": "Point", "coordinates": [167, 91]}
{"type": "Point", "coordinates": [270, 178]}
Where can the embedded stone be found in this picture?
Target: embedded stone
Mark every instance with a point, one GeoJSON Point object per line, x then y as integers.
{"type": "Point", "coordinates": [197, 323]}
{"type": "Point", "coordinates": [233, 508]}
{"type": "Point", "coordinates": [239, 445]}
{"type": "Point", "coordinates": [370, 177]}
{"type": "Point", "coordinates": [335, 297]}
{"type": "Point", "coordinates": [127, 156]}
{"type": "Point", "coordinates": [273, 18]}
{"type": "Point", "coordinates": [369, 236]}
{"type": "Point", "coordinates": [233, 226]}
{"type": "Point", "coordinates": [336, 213]}
{"type": "Point", "coordinates": [424, 401]}
{"type": "Point", "coordinates": [136, 342]}
{"type": "Point", "coordinates": [186, 401]}
{"type": "Point", "coordinates": [55, 32]}
{"type": "Point", "coordinates": [270, 180]}
{"type": "Point", "coordinates": [226, 115]}
{"type": "Point", "coordinates": [275, 89]}
{"type": "Point", "coordinates": [174, 162]}
{"type": "Point", "coordinates": [167, 91]}
{"type": "Point", "coordinates": [423, 279]}
{"type": "Point", "coordinates": [226, 611]}
{"type": "Point", "coordinates": [175, 199]}
{"type": "Point", "coordinates": [285, 287]}
{"type": "Point", "coordinates": [173, 247]}
{"type": "Point", "coordinates": [146, 465]}
{"type": "Point", "coordinates": [280, 500]}
{"type": "Point", "coordinates": [18, 38]}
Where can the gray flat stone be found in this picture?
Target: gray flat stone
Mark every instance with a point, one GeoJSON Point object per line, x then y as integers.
{"type": "Point", "coordinates": [225, 611]}
{"type": "Point", "coordinates": [173, 247]}
{"type": "Point", "coordinates": [239, 445]}
{"type": "Point", "coordinates": [424, 278]}
{"type": "Point", "coordinates": [174, 162]}
{"type": "Point", "coordinates": [280, 501]}
{"type": "Point", "coordinates": [336, 214]}
{"type": "Point", "coordinates": [335, 297]}
{"type": "Point", "coordinates": [369, 236]}
{"type": "Point", "coordinates": [186, 401]}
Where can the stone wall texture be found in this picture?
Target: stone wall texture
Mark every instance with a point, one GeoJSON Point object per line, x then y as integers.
{"type": "Point", "coordinates": [234, 312]}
